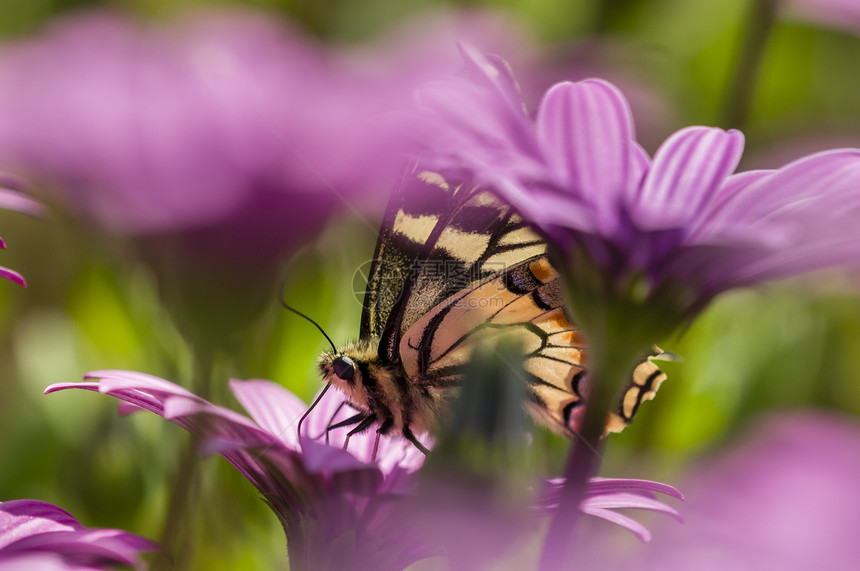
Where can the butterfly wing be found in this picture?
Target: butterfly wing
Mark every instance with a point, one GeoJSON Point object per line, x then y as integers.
{"type": "Point", "coordinates": [524, 301]}
{"type": "Point", "coordinates": [413, 212]}
{"type": "Point", "coordinates": [475, 237]}
{"type": "Point", "coordinates": [455, 266]}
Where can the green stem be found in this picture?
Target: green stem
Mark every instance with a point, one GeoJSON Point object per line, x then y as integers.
{"type": "Point", "coordinates": [618, 327]}
{"type": "Point", "coordinates": [176, 537]}
{"type": "Point", "coordinates": [611, 361]}
{"type": "Point", "coordinates": [750, 54]}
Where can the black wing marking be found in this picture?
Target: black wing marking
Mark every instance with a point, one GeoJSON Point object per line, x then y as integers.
{"type": "Point", "coordinates": [479, 236]}
{"type": "Point", "coordinates": [413, 211]}
{"type": "Point", "coordinates": [524, 301]}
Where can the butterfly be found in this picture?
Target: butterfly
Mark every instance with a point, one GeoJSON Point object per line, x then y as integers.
{"type": "Point", "coordinates": [454, 266]}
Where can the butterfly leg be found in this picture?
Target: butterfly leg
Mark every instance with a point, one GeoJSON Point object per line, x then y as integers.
{"type": "Point", "coordinates": [356, 418]}
{"type": "Point", "coordinates": [330, 421]}
{"type": "Point", "coordinates": [375, 446]}
{"type": "Point", "coordinates": [383, 429]}
{"type": "Point", "coordinates": [365, 422]}
{"type": "Point", "coordinates": [410, 436]}
{"type": "Point", "coordinates": [348, 422]}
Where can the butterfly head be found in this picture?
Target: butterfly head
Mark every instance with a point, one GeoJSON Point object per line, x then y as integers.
{"type": "Point", "coordinates": [339, 369]}
{"type": "Point", "coordinates": [344, 368]}
{"type": "Point", "coordinates": [347, 368]}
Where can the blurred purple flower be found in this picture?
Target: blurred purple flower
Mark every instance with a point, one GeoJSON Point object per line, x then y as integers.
{"type": "Point", "coordinates": [682, 221]}
{"type": "Point", "coordinates": [476, 525]}
{"type": "Point", "coordinates": [227, 121]}
{"type": "Point", "coordinates": [607, 494]}
{"type": "Point", "coordinates": [323, 495]}
{"type": "Point", "coordinates": [843, 14]}
{"type": "Point", "coordinates": [221, 145]}
{"type": "Point", "coordinates": [39, 535]}
{"type": "Point", "coordinates": [12, 199]}
{"type": "Point", "coordinates": [786, 498]}
{"type": "Point", "coordinates": [326, 496]}
{"type": "Point", "coordinates": [643, 243]}
{"type": "Point", "coordinates": [426, 48]}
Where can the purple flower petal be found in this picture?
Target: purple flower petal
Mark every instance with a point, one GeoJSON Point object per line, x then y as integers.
{"type": "Point", "coordinates": [393, 451]}
{"type": "Point", "coordinates": [586, 130]}
{"type": "Point", "coordinates": [839, 13]}
{"type": "Point", "coordinates": [13, 276]}
{"type": "Point", "coordinates": [823, 179]}
{"type": "Point", "coordinates": [42, 562]}
{"type": "Point", "coordinates": [609, 485]}
{"type": "Point", "coordinates": [19, 202]}
{"type": "Point", "coordinates": [23, 518]}
{"type": "Point", "coordinates": [192, 130]}
{"type": "Point", "coordinates": [629, 501]}
{"type": "Point", "coordinates": [606, 494]}
{"type": "Point", "coordinates": [108, 545]}
{"type": "Point", "coordinates": [272, 407]}
{"type": "Point", "coordinates": [344, 471]}
{"type": "Point", "coordinates": [628, 523]}
{"type": "Point", "coordinates": [495, 74]}
{"type": "Point", "coordinates": [326, 485]}
{"type": "Point", "coordinates": [13, 200]}
{"type": "Point", "coordinates": [685, 176]}
{"type": "Point", "coordinates": [219, 421]}
{"type": "Point", "coordinates": [785, 497]}
{"type": "Point", "coordinates": [30, 530]}
{"type": "Point", "coordinates": [683, 222]}
{"type": "Point", "coordinates": [804, 215]}
{"type": "Point", "coordinates": [473, 131]}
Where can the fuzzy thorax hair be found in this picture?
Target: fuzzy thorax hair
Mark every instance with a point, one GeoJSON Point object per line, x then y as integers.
{"type": "Point", "coordinates": [380, 388]}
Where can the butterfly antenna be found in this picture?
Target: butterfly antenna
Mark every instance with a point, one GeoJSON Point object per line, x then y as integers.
{"type": "Point", "coordinates": [288, 307]}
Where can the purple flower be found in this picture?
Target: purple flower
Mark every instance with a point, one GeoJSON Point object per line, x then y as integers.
{"type": "Point", "coordinates": [12, 199]}
{"type": "Point", "coordinates": [39, 535]}
{"type": "Point", "coordinates": [838, 13]}
{"type": "Point", "coordinates": [323, 495]}
{"type": "Point", "coordinates": [605, 495]}
{"type": "Point", "coordinates": [336, 505]}
{"type": "Point", "coordinates": [681, 222]}
{"type": "Point", "coordinates": [216, 121]}
{"type": "Point", "coordinates": [643, 243]}
{"type": "Point", "coordinates": [219, 145]}
{"type": "Point", "coordinates": [785, 498]}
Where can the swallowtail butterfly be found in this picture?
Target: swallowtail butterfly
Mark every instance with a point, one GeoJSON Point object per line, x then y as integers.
{"type": "Point", "coordinates": [455, 266]}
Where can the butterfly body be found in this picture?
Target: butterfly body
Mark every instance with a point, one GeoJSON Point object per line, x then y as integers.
{"type": "Point", "coordinates": [455, 268]}
{"type": "Point", "coordinates": [396, 401]}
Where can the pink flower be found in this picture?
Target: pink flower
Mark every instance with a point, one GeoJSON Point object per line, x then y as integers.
{"type": "Point", "coordinates": [337, 506]}
{"type": "Point", "coordinates": [785, 497]}
{"type": "Point", "coordinates": [838, 13]}
{"type": "Point", "coordinates": [12, 199]}
{"type": "Point", "coordinates": [682, 223]}
{"type": "Point", "coordinates": [322, 494]}
{"type": "Point", "coordinates": [39, 535]}
{"type": "Point", "coordinates": [214, 122]}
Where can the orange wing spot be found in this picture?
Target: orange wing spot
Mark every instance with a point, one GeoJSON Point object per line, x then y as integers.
{"type": "Point", "coordinates": [569, 354]}
{"type": "Point", "coordinates": [568, 338]}
{"type": "Point", "coordinates": [542, 270]}
{"type": "Point", "coordinates": [555, 322]}
{"type": "Point", "coordinates": [517, 310]}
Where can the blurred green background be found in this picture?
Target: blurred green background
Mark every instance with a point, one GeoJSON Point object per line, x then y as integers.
{"type": "Point", "coordinates": [791, 86]}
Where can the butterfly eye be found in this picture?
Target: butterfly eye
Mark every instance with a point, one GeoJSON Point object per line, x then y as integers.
{"type": "Point", "coordinates": [344, 368]}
